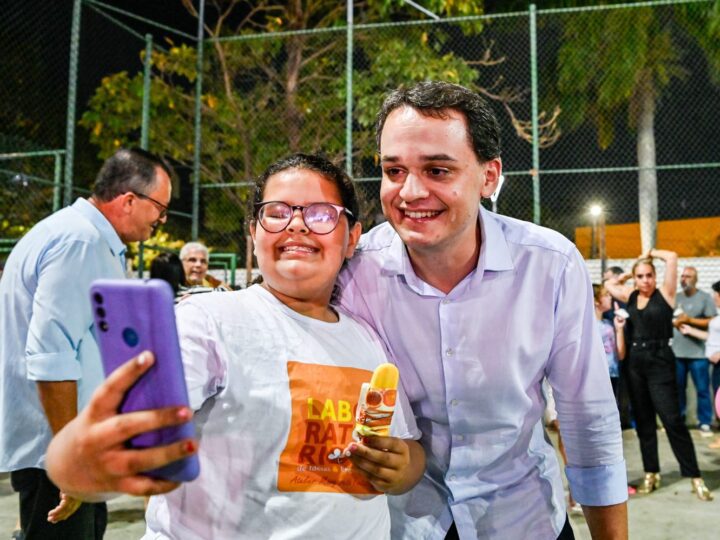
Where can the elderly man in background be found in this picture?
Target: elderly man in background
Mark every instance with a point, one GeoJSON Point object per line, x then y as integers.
{"type": "Point", "coordinates": [195, 258]}
{"type": "Point", "coordinates": [49, 360]}
{"type": "Point", "coordinates": [695, 308]}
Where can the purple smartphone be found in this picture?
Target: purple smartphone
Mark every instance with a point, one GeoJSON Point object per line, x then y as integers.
{"type": "Point", "coordinates": [131, 316]}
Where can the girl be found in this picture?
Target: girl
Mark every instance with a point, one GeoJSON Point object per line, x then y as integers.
{"type": "Point", "coordinates": [274, 372]}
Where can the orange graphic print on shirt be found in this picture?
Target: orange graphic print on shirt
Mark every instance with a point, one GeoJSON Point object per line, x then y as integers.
{"type": "Point", "coordinates": [324, 399]}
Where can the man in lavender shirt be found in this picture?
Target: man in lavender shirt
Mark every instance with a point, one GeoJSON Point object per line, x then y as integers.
{"type": "Point", "coordinates": [475, 309]}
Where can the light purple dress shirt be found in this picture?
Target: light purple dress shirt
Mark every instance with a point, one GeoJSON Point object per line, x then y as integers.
{"type": "Point", "coordinates": [472, 362]}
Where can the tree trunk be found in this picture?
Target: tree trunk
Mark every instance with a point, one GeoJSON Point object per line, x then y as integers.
{"type": "Point", "coordinates": [647, 176]}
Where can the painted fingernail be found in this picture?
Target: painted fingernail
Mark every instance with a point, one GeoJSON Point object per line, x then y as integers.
{"type": "Point", "coordinates": [190, 447]}
{"type": "Point", "coordinates": [184, 414]}
{"type": "Point", "coordinates": [144, 358]}
{"type": "Point", "coordinates": [352, 447]}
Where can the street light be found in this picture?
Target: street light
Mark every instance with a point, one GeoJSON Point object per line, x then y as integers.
{"type": "Point", "coordinates": [598, 235]}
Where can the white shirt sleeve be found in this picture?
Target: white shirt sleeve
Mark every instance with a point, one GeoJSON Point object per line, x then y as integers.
{"type": "Point", "coordinates": [587, 411]}
{"type": "Point", "coordinates": [201, 348]}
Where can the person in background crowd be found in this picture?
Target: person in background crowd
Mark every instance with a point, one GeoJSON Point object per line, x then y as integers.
{"type": "Point", "coordinates": [695, 308]}
{"type": "Point", "coordinates": [651, 365]}
{"type": "Point", "coordinates": [49, 360]}
{"type": "Point", "coordinates": [195, 259]}
{"type": "Point", "coordinates": [168, 267]}
{"type": "Point", "coordinates": [613, 334]}
{"type": "Point", "coordinates": [623, 396]}
{"type": "Point", "coordinates": [712, 349]}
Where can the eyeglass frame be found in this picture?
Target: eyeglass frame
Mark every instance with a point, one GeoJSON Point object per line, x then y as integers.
{"type": "Point", "coordinates": [165, 209]}
{"type": "Point", "coordinates": [338, 207]}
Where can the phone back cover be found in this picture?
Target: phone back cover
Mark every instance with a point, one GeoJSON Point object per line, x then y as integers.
{"type": "Point", "coordinates": [140, 316]}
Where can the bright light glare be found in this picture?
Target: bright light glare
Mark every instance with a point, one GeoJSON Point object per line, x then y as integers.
{"type": "Point", "coordinates": [596, 210]}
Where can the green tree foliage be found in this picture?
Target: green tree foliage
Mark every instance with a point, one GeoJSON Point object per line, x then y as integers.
{"type": "Point", "coordinates": [622, 61]}
{"type": "Point", "coordinates": [264, 97]}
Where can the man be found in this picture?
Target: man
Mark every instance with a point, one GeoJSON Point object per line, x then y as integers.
{"type": "Point", "coordinates": [696, 308]}
{"type": "Point", "coordinates": [476, 309]}
{"type": "Point", "coordinates": [49, 360]}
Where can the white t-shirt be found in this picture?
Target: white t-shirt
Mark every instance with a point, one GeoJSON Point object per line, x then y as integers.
{"type": "Point", "coordinates": [712, 345]}
{"type": "Point", "coordinates": [276, 393]}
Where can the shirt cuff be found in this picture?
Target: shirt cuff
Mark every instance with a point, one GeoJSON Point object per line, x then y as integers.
{"type": "Point", "coordinates": [53, 367]}
{"type": "Point", "coordinates": [604, 485]}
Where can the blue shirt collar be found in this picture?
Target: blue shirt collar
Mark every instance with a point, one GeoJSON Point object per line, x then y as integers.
{"type": "Point", "coordinates": [101, 223]}
{"type": "Point", "coordinates": [494, 252]}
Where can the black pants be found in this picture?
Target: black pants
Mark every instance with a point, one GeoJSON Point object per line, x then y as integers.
{"type": "Point", "coordinates": [566, 533]}
{"type": "Point", "coordinates": [653, 389]}
{"type": "Point", "coordinates": [38, 495]}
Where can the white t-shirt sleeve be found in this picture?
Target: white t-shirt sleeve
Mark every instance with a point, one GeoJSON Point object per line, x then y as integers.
{"type": "Point", "coordinates": [200, 345]}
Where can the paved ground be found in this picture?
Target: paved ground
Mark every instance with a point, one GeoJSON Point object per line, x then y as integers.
{"type": "Point", "coordinates": [670, 513]}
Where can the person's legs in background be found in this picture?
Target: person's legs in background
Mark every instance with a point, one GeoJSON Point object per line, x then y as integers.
{"type": "Point", "coordinates": [681, 371]}
{"type": "Point", "coordinates": [700, 372]}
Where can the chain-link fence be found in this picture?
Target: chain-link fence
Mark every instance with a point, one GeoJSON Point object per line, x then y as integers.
{"type": "Point", "coordinates": [612, 106]}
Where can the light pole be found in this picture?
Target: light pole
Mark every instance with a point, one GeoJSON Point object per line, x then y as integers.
{"type": "Point", "coordinates": [598, 235]}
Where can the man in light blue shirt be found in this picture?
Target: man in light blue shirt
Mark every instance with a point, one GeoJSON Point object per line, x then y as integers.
{"type": "Point", "coordinates": [49, 360]}
{"type": "Point", "coordinates": [475, 309]}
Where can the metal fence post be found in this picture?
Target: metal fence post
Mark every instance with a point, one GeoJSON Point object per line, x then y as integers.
{"type": "Point", "coordinates": [145, 126]}
{"type": "Point", "coordinates": [57, 182]}
{"type": "Point", "coordinates": [349, 90]}
{"type": "Point", "coordinates": [72, 97]}
{"type": "Point", "coordinates": [198, 123]}
{"type": "Point", "coordinates": [532, 13]}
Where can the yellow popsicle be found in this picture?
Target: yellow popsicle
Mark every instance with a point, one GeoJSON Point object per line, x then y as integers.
{"type": "Point", "coordinates": [385, 376]}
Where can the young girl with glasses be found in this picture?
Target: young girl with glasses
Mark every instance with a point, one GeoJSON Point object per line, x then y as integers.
{"type": "Point", "coordinates": [273, 373]}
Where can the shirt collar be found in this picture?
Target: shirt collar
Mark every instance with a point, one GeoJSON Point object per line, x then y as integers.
{"type": "Point", "coordinates": [494, 252]}
{"type": "Point", "coordinates": [101, 223]}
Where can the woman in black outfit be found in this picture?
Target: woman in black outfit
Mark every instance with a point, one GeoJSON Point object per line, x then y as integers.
{"type": "Point", "coordinates": [651, 367]}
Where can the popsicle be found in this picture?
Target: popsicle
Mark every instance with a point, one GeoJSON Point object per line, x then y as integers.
{"type": "Point", "coordinates": [376, 403]}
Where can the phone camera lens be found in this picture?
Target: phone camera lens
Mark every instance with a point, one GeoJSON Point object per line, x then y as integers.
{"type": "Point", "coordinates": [103, 326]}
{"type": "Point", "coordinates": [100, 312]}
{"type": "Point", "coordinates": [98, 298]}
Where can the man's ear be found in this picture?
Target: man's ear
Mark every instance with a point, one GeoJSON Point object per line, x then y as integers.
{"type": "Point", "coordinates": [127, 202]}
{"type": "Point", "coordinates": [491, 176]}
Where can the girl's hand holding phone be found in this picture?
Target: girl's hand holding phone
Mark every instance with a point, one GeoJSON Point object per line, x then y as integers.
{"type": "Point", "coordinates": [89, 460]}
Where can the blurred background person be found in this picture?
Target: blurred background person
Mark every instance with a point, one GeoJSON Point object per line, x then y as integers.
{"type": "Point", "coordinates": [168, 267]}
{"type": "Point", "coordinates": [623, 393]}
{"type": "Point", "coordinates": [195, 258]}
{"type": "Point", "coordinates": [695, 308]}
{"type": "Point", "coordinates": [712, 348]}
{"type": "Point", "coordinates": [651, 366]}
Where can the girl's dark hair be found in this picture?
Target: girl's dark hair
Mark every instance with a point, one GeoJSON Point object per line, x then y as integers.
{"type": "Point", "coordinates": [168, 266]}
{"type": "Point", "coordinates": [322, 166]}
{"type": "Point", "coordinates": [716, 287]}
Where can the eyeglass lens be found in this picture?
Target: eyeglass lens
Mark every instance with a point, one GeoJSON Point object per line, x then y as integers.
{"type": "Point", "coordinates": [320, 218]}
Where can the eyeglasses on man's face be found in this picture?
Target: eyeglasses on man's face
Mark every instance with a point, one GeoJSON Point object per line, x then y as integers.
{"type": "Point", "coordinates": [320, 217]}
{"type": "Point", "coordinates": [163, 208]}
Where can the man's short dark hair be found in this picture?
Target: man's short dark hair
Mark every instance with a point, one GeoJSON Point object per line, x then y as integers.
{"type": "Point", "coordinates": [435, 98]}
{"type": "Point", "coordinates": [128, 169]}
{"type": "Point", "coordinates": [616, 270]}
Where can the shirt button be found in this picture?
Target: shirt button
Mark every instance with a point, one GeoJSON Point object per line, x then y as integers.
{"type": "Point", "coordinates": [459, 437]}
{"type": "Point", "coordinates": [445, 301]}
{"type": "Point", "coordinates": [454, 402]}
{"type": "Point", "coordinates": [453, 477]}
{"type": "Point", "coordinates": [449, 352]}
